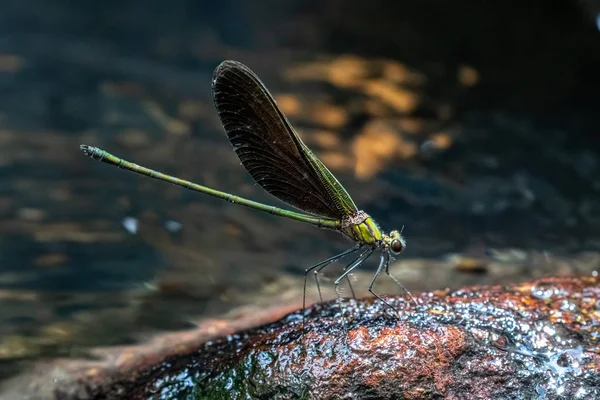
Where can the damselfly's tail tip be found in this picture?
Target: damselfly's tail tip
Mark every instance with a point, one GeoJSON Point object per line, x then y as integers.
{"type": "Point", "coordinates": [88, 150]}
{"type": "Point", "coordinates": [92, 152]}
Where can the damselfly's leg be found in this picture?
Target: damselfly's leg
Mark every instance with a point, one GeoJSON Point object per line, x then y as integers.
{"type": "Point", "coordinates": [319, 267]}
{"type": "Point", "coordinates": [350, 286]}
{"type": "Point", "coordinates": [383, 266]}
{"type": "Point", "coordinates": [322, 265]}
{"type": "Point", "coordinates": [349, 268]}
{"type": "Point", "coordinates": [387, 271]}
{"type": "Point", "coordinates": [354, 264]}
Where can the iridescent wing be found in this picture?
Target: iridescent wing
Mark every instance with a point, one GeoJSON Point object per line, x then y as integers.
{"type": "Point", "coordinates": [270, 149]}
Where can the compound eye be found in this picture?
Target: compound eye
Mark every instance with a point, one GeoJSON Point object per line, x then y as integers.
{"type": "Point", "coordinates": [397, 246]}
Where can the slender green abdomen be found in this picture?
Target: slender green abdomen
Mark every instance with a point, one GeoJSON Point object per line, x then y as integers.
{"type": "Point", "coordinates": [106, 157]}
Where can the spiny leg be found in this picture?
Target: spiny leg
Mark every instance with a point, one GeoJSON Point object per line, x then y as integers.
{"type": "Point", "coordinates": [324, 264]}
{"type": "Point", "coordinates": [350, 286]}
{"type": "Point", "coordinates": [387, 271]}
{"type": "Point", "coordinates": [354, 264]}
{"type": "Point", "coordinates": [347, 270]}
{"type": "Point", "coordinates": [318, 271]}
{"type": "Point", "coordinates": [318, 267]}
{"type": "Point", "coordinates": [383, 266]}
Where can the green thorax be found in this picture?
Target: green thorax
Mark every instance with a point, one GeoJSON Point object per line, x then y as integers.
{"type": "Point", "coordinates": [361, 228]}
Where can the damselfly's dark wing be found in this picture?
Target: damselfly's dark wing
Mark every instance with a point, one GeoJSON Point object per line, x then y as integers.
{"type": "Point", "coordinates": [270, 149]}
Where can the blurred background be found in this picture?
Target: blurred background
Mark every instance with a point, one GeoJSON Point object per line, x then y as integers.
{"type": "Point", "coordinates": [472, 124]}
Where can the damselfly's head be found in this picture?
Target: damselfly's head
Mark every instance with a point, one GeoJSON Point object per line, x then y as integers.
{"type": "Point", "coordinates": [395, 242]}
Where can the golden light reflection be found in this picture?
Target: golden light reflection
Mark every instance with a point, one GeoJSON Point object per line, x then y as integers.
{"type": "Point", "coordinates": [289, 105]}
{"type": "Point", "coordinates": [441, 140]}
{"type": "Point", "coordinates": [468, 76]}
{"type": "Point", "coordinates": [396, 72]}
{"type": "Point", "coordinates": [336, 160]}
{"type": "Point", "coordinates": [326, 139]}
{"type": "Point", "coordinates": [347, 71]}
{"type": "Point", "coordinates": [391, 95]}
{"type": "Point", "coordinates": [328, 115]}
{"type": "Point", "coordinates": [376, 146]}
{"type": "Point", "coordinates": [402, 101]}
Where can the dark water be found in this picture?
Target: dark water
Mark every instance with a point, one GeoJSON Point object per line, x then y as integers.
{"type": "Point", "coordinates": [475, 126]}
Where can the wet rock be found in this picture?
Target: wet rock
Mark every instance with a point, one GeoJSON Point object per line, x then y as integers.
{"type": "Point", "coordinates": [530, 340]}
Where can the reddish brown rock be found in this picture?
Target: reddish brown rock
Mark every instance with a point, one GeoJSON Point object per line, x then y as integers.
{"type": "Point", "coordinates": [533, 340]}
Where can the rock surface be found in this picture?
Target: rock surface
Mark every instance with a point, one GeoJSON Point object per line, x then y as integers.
{"type": "Point", "coordinates": [536, 340]}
